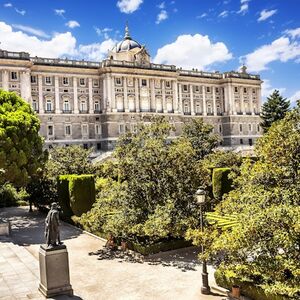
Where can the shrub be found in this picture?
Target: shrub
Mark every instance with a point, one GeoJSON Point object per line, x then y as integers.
{"type": "Point", "coordinates": [63, 196]}
{"type": "Point", "coordinates": [221, 184]}
{"type": "Point", "coordinates": [247, 288]}
{"type": "Point", "coordinates": [76, 194]}
{"type": "Point", "coordinates": [8, 195]}
{"type": "Point", "coordinates": [82, 193]}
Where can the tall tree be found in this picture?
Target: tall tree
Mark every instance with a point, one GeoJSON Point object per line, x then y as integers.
{"type": "Point", "coordinates": [274, 109]}
{"type": "Point", "coordinates": [21, 147]}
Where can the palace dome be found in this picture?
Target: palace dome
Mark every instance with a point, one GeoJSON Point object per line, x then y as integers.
{"type": "Point", "coordinates": [127, 44]}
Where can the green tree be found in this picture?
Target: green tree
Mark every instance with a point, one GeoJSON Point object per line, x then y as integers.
{"type": "Point", "coordinates": [263, 245]}
{"type": "Point", "coordinates": [274, 109]}
{"type": "Point", "coordinates": [201, 136]}
{"type": "Point", "coordinates": [154, 196]}
{"type": "Point", "coordinates": [21, 147]}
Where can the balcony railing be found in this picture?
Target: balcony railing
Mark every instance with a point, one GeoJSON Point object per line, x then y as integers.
{"type": "Point", "coordinates": [97, 111]}
{"type": "Point", "coordinates": [83, 111]}
{"type": "Point", "coordinates": [67, 111]}
{"type": "Point", "coordinates": [49, 111]}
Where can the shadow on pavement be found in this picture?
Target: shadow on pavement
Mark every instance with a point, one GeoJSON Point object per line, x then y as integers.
{"type": "Point", "coordinates": [27, 228]}
{"type": "Point", "coordinates": [183, 259]}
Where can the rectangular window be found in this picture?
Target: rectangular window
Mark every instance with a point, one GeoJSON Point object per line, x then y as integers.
{"type": "Point", "coordinates": [14, 76]}
{"type": "Point", "coordinates": [121, 128]}
{"type": "Point", "coordinates": [241, 127]}
{"type": "Point", "coordinates": [118, 81]}
{"type": "Point", "coordinates": [65, 81]}
{"type": "Point", "coordinates": [253, 91]}
{"type": "Point", "coordinates": [33, 79]}
{"type": "Point", "coordinates": [241, 141]}
{"type": "Point", "coordinates": [250, 127]}
{"type": "Point", "coordinates": [98, 129]}
{"type": "Point", "coordinates": [220, 128]}
{"type": "Point", "coordinates": [236, 89]}
{"type": "Point", "coordinates": [208, 89]}
{"type": "Point", "coordinates": [250, 142]}
{"type": "Point", "coordinates": [68, 129]}
{"type": "Point", "coordinates": [185, 88]}
{"type": "Point", "coordinates": [84, 129]}
{"type": "Point", "coordinates": [50, 130]}
{"type": "Point", "coordinates": [48, 80]}
{"type": "Point", "coordinates": [168, 84]}
{"type": "Point", "coordinates": [82, 81]}
{"type": "Point", "coordinates": [245, 90]}
{"type": "Point", "coordinates": [196, 88]}
{"type": "Point", "coordinates": [144, 82]}
{"type": "Point", "coordinates": [258, 128]}
{"type": "Point", "coordinates": [49, 105]}
{"type": "Point", "coordinates": [35, 105]}
{"type": "Point", "coordinates": [97, 106]}
{"type": "Point", "coordinates": [95, 83]}
{"type": "Point", "coordinates": [217, 90]}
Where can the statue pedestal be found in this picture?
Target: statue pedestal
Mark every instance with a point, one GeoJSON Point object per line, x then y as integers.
{"type": "Point", "coordinates": [54, 271]}
{"type": "Point", "coordinates": [4, 227]}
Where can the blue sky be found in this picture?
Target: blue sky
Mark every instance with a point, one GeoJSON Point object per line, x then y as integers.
{"type": "Point", "coordinates": [204, 34]}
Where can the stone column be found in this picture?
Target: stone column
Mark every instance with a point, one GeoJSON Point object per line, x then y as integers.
{"type": "Point", "coordinates": [5, 85]}
{"type": "Point", "coordinates": [164, 104]}
{"type": "Point", "coordinates": [56, 88]}
{"type": "Point", "coordinates": [214, 100]}
{"type": "Point", "coordinates": [232, 110]}
{"type": "Point", "coordinates": [25, 85]}
{"type": "Point", "coordinates": [251, 102]}
{"type": "Point", "coordinates": [75, 95]}
{"type": "Point", "coordinates": [258, 100]}
{"type": "Point", "coordinates": [242, 101]}
{"type": "Point", "coordinates": [40, 89]}
{"type": "Point", "coordinates": [91, 102]}
{"type": "Point", "coordinates": [180, 98]}
{"type": "Point", "coordinates": [105, 100]}
{"type": "Point", "coordinates": [111, 86]}
{"type": "Point", "coordinates": [152, 96]}
{"type": "Point", "coordinates": [126, 104]}
{"type": "Point", "coordinates": [204, 101]}
{"type": "Point", "coordinates": [192, 100]}
{"type": "Point", "coordinates": [175, 97]}
{"type": "Point", "coordinates": [137, 97]}
{"type": "Point", "coordinates": [109, 92]}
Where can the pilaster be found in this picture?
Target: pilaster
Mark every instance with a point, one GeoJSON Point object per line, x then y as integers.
{"type": "Point", "coordinates": [204, 101]}
{"type": "Point", "coordinates": [137, 96]}
{"type": "Point", "coordinates": [192, 100]}
{"type": "Point", "coordinates": [126, 106]}
{"type": "Point", "coordinates": [56, 88]}
{"type": "Point", "coordinates": [5, 85]}
{"type": "Point", "coordinates": [91, 104]}
{"type": "Point", "coordinates": [40, 89]}
{"type": "Point", "coordinates": [214, 101]}
{"type": "Point", "coordinates": [75, 95]}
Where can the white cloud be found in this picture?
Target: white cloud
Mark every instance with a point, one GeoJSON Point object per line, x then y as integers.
{"type": "Point", "coordinates": [265, 14]}
{"type": "Point", "coordinates": [103, 32]}
{"type": "Point", "coordinates": [267, 89]}
{"type": "Point", "coordinates": [223, 14]}
{"type": "Point", "coordinates": [161, 5]}
{"type": "Point", "coordinates": [7, 5]}
{"type": "Point", "coordinates": [72, 24]}
{"type": "Point", "coordinates": [163, 15]}
{"type": "Point", "coordinates": [192, 51]}
{"type": "Point", "coordinates": [31, 30]}
{"type": "Point", "coordinates": [202, 16]}
{"type": "Point", "coordinates": [96, 51]}
{"type": "Point", "coordinates": [59, 45]}
{"type": "Point", "coordinates": [282, 49]}
{"type": "Point", "coordinates": [20, 11]}
{"type": "Point", "coordinates": [129, 6]}
{"type": "Point", "coordinates": [60, 12]}
{"type": "Point", "coordinates": [244, 7]}
{"type": "Point", "coordinates": [294, 33]}
{"type": "Point", "coordinates": [295, 97]}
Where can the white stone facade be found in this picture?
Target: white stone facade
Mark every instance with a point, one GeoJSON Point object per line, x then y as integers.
{"type": "Point", "coordinates": [92, 103]}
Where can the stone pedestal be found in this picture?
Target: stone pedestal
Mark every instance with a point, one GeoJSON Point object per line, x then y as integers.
{"type": "Point", "coordinates": [4, 228]}
{"type": "Point", "coordinates": [54, 271]}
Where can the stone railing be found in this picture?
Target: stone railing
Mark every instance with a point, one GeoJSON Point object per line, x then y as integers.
{"type": "Point", "coordinates": [129, 64]}
{"type": "Point", "coordinates": [200, 74]}
{"type": "Point", "coordinates": [65, 62]}
{"type": "Point", "coordinates": [14, 55]}
{"type": "Point", "coordinates": [233, 74]}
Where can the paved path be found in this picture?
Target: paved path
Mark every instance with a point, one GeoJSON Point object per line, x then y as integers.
{"type": "Point", "coordinates": [95, 274]}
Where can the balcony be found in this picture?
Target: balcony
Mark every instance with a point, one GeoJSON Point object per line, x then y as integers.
{"type": "Point", "coordinates": [187, 113]}
{"type": "Point", "coordinates": [65, 111]}
{"type": "Point", "coordinates": [83, 111]}
{"type": "Point", "coordinates": [49, 111]}
{"type": "Point", "coordinates": [198, 113]}
{"type": "Point", "coordinates": [97, 111]}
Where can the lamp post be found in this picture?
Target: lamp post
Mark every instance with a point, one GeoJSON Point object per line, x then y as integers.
{"type": "Point", "coordinates": [200, 197]}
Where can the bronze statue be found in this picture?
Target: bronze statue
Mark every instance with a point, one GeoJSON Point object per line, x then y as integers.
{"type": "Point", "coordinates": [52, 227]}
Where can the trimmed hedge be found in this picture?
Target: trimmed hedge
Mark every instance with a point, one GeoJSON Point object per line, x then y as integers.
{"type": "Point", "coordinates": [159, 247]}
{"type": "Point", "coordinates": [76, 194]}
{"type": "Point", "coordinates": [248, 289]}
{"type": "Point", "coordinates": [63, 196]}
{"type": "Point", "coordinates": [82, 193]}
{"type": "Point", "coordinates": [221, 184]}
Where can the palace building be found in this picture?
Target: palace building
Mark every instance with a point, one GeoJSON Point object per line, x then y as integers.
{"type": "Point", "coordinates": [92, 103]}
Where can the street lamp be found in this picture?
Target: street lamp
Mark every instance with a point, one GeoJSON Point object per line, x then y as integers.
{"type": "Point", "coordinates": [200, 197]}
